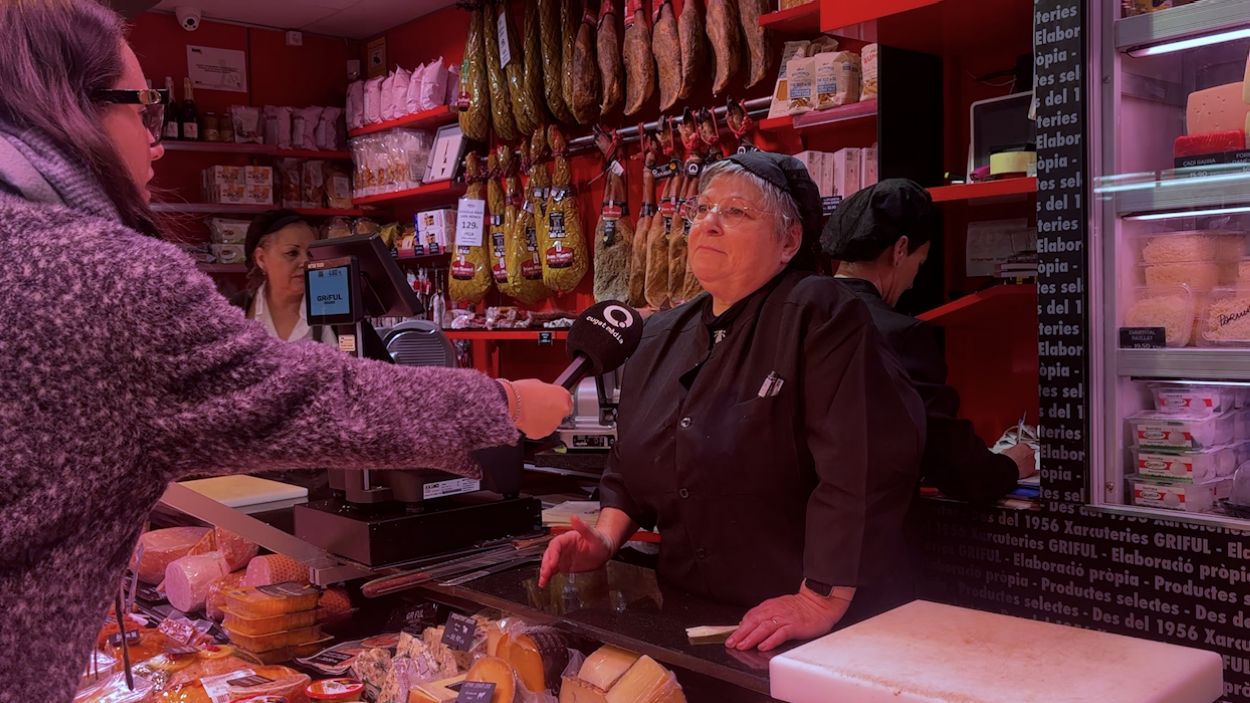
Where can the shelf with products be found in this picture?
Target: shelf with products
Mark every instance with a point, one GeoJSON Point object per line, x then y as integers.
{"type": "Point", "coordinates": [1197, 363]}
{"type": "Point", "coordinates": [232, 269]}
{"type": "Point", "coordinates": [1182, 27]}
{"type": "Point", "coordinates": [1212, 190]}
{"type": "Point", "coordinates": [802, 20]}
{"type": "Point", "coordinates": [855, 113]}
{"type": "Point", "coordinates": [436, 260]}
{"type": "Point", "coordinates": [440, 192]}
{"type": "Point", "coordinates": [947, 27]}
{"type": "Point", "coordinates": [984, 308]}
{"type": "Point", "coordinates": [225, 209]}
{"type": "Point", "coordinates": [986, 190]}
{"type": "Point", "coordinates": [428, 119]}
{"type": "Point", "coordinates": [172, 146]}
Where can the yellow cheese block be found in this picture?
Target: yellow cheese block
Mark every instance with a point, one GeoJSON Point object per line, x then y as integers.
{"type": "Point", "coordinates": [498, 672]}
{"type": "Point", "coordinates": [577, 691]}
{"type": "Point", "coordinates": [539, 656]}
{"type": "Point", "coordinates": [646, 682]}
{"type": "Point", "coordinates": [436, 691]}
{"type": "Point", "coordinates": [608, 664]}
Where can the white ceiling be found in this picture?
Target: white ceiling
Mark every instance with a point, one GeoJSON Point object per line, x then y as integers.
{"type": "Point", "coordinates": [354, 19]}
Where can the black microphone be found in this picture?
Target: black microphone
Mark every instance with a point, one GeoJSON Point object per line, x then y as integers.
{"type": "Point", "coordinates": [600, 341]}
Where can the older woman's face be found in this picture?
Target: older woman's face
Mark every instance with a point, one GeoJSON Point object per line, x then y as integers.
{"type": "Point", "coordinates": [125, 129]}
{"type": "Point", "coordinates": [737, 248]}
{"type": "Point", "coordinates": [283, 256]}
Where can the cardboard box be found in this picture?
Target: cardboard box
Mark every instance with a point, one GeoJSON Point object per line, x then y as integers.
{"type": "Point", "coordinates": [846, 174]}
{"type": "Point", "coordinates": [868, 166]}
{"type": "Point", "coordinates": [436, 230]}
{"type": "Point", "coordinates": [226, 185]}
{"type": "Point", "coordinates": [259, 185]}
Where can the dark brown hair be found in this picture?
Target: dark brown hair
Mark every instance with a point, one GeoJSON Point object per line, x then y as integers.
{"type": "Point", "coordinates": [55, 55]}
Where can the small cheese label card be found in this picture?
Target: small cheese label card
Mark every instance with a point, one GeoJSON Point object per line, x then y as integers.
{"type": "Point", "coordinates": [1143, 338]}
{"type": "Point", "coordinates": [459, 632]}
{"type": "Point", "coordinates": [476, 692]}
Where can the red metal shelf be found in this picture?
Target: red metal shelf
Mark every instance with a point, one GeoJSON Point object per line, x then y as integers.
{"type": "Point", "coordinates": [425, 259]}
{"type": "Point", "coordinates": [530, 335]}
{"type": "Point", "coordinates": [439, 192]}
{"type": "Point", "coordinates": [944, 27]}
{"type": "Point", "coordinates": [856, 113]}
{"type": "Point", "coordinates": [804, 19]}
{"type": "Point", "coordinates": [222, 209]}
{"type": "Point", "coordinates": [254, 150]}
{"type": "Point", "coordinates": [986, 308]}
{"type": "Point", "coordinates": [437, 117]}
{"type": "Point", "coordinates": [1002, 188]}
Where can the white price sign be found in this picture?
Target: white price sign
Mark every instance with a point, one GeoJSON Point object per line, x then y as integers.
{"type": "Point", "coordinates": [505, 48]}
{"type": "Point", "coordinates": [470, 222]}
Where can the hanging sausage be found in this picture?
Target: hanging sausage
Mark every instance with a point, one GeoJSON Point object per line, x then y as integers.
{"type": "Point", "coordinates": [470, 265]}
{"type": "Point", "coordinates": [608, 51]}
{"type": "Point", "coordinates": [639, 62]}
{"type": "Point", "coordinates": [565, 256]}
{"type": "Point", "coordinates": [474, 94]}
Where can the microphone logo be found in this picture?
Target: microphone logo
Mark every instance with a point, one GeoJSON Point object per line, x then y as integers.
{"type": "Point", "coordinates": [618, 316]}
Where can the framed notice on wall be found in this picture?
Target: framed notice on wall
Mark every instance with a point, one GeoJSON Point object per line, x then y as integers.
{"type": "Point", "coordinates": [217, 69]}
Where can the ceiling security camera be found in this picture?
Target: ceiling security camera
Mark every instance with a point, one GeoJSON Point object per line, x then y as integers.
{"type": "Point", "coordinates": [189, 18]}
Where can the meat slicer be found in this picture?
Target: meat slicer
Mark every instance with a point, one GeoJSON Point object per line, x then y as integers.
{"type": "Point", "coordinates": [592, 426]}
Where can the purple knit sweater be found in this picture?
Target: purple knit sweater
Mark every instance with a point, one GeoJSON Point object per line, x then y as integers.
{"type": "Point", "coordinates": [122, 369]}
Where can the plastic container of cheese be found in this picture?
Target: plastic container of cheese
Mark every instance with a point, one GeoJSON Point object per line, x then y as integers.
{"type": "Point", "coordinates": [335, 691]}
{"type": "Point", "coordinates": [1182, 431]}
{"type": "Point", "coordinates": [267, 601]}
{"type": "Point", "coordinates": [286, 654]}
{"type": "Point", "coordinates": [1171, 307]}
{"type": "Point", "coordinates": [1194, 466]}
{"type": "Point", "coordinates": [1178, 495]}
{"type": "Point", "coordinates": [1192, 398]}
{"type": "Point", "coordinates": [1224, 320]}
{"type": "Point", "coordinates": [285, 622]}
{"type": "Point", "coordinates": [1199, 275]}
{"type": "Point", "coordinates": [275, 640]}
{"type": "Point", "coordinates": [1193, 245]}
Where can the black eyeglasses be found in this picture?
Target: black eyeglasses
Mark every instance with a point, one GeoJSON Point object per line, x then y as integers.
{"type": "Point", "coordinates": [152, 100]}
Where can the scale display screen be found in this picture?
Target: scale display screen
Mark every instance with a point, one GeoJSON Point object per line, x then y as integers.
{"type": "Point", "coordinates": [329, 292]}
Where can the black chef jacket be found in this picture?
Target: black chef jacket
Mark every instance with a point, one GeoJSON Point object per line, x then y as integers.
{"type": "Point", "coordinates": [956, 461]}
{"type": "Point", "coordinates": [788, 449]}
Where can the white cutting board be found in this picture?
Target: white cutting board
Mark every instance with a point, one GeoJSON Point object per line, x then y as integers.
{"type": "Point", "coordinates": [248, 491]}
{"type": "Point", "coordinates": [925, 652]}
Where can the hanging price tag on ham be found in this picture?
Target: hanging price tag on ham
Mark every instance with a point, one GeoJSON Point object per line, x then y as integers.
{"type": "Point", "coordinates": [470, 222]}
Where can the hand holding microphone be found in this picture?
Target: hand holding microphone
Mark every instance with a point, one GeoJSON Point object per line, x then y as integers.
{"type": "Point", "coordinates": [599, 341]}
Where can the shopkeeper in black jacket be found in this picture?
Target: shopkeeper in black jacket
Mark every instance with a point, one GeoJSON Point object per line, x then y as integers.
{"type": "Point", "coordinates": [763, 427]}
{"type": "Point", "coordinates": [880, 237]}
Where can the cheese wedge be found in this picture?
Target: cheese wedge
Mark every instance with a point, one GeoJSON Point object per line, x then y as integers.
{"type": "Point", "coordinates": [499, 672]}
{"type": "Point", "coordinates": [1218, 109]}
{"type": "Point", "coordinates": [608, 664]}
{"type": "Point", "coordinates": [443, 691]}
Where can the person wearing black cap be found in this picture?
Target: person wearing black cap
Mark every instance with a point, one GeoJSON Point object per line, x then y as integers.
{"type": "Point", "coordinates": [880, 236]}
{"type": "Point", "coordinates": [276, 254]}
{"type": "Point", "coordinates": [762, 426]}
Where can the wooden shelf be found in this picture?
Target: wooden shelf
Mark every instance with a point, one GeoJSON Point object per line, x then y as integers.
{"type": "Point", "coordinates": [801, 20]}
{"type": "Point", "coordinates": [441, 192]}
{"type": "Point", "coordinates": [254, 150]}
{"type": "Point", "coordinates": [222, 209]}
{"type": "Point", "coordinates": [529, 335]}
{"type": "Point", "coordinates": [428, 119]}
{"type": "Point", "coordinates": [854, 114]}
{"type": "Point", "coordinates": [222, 268]}
{"type": "Point", "coordinates": [984, 309]}
{"type": "Point", "coordinates": [1006, 187]}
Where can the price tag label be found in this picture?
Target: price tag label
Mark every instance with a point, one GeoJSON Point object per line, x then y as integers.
{"type": "Point", "coordinates": [459, 632]}
{"type": "Point", "coordinates": [505, 49]}
{"type": "Point", "coordinates": [828, 205]}
{"type": "Point", "coordinates": [1143, 338]}
{"type": "Point", "coordinates": [476, 692]}
{"type": "Point", "coordinates": [546, 339]}
{"type": "Point", "coordinates": [470, 222]}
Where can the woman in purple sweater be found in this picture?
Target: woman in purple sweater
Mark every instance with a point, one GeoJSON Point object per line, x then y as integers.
{"type": "Point", "coordinates": [122, 369]}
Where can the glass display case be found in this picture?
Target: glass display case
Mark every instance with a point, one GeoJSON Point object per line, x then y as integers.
{"type": "Point", "coordinates": [1170, 246]}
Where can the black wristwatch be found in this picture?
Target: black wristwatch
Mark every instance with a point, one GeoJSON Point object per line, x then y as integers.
{"type": "Point", "coordinates": [820, 589]}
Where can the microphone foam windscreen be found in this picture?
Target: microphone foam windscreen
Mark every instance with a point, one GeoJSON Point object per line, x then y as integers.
{"type": "Point", "coordinates": [607, 333]}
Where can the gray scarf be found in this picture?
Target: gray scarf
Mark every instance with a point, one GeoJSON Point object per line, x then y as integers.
{"type": "Point", "coordinates": [35, 168]}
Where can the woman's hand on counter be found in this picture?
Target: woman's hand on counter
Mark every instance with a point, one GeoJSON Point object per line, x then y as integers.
{"type": "Point", "coordinates": [586, 548]}
{"type": "Point", "coordinates": [536, 407]}
{"type": "Point", "coordinates": [804, 616]}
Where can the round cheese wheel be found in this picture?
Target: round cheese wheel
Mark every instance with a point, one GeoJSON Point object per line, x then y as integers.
{"type": "Point", "coordinates": [499, 672]}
